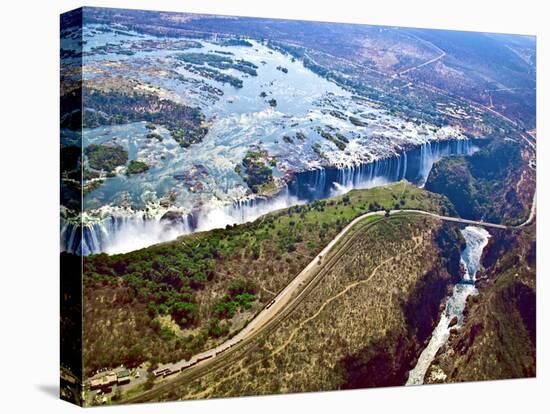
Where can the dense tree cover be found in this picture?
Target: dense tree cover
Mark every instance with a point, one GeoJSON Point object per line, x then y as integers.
{"type": "Point", "coordinates": [256, 173]}
{"type": "Point", "coordinates": [482, 186]}
{"type": "Point", "coordinates": [186, 124]}
{"type": "Point", "coordinates": [89, 174]}
{"type": "Point", "coordinates": [136, 167]}
{"type": "Point", "coordinates": [202, 280]}
{"type": "Point", "coordinates": [240, 295]}
{"type": "Point", "coordinates": [235, 42]}
{"type": "Point", "coordinates": [105, 157]}
{"type": "Point", "coordinates": [219, 62]}
{"type": "Point", "coordinates": [453, 177]}
{"type": "Point", "coordinates": [214, 74]}
{"type": "Point", "coordinates": [165, 278]}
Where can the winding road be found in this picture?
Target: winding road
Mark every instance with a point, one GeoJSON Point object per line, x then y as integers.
{"type": "Point", "coordinates": [299, 283]}
{"type": "Point", "coordinates": [287, 298]}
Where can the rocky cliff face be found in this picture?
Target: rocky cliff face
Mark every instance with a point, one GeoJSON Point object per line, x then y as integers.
{"type": "Point", "coordinates": [387, 361]}
{"type": "Point", "coordinates": [498, 339]}
{"type": "Point", "coordinates": [495, 184]}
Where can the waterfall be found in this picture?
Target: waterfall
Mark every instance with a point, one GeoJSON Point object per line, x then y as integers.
{"type": "Point", "coordinates": [476, 240]}
{"type": "Point", "coordinates": [123, 233]}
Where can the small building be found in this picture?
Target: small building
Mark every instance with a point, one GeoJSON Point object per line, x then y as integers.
{"type": "Point", "coordinates": [103, 382]}
{"type": "Point", "coordinates": [123, 377]}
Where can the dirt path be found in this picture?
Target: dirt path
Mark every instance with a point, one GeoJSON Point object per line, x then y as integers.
{"type": "Point", "coordinates": [296, 288]}
{"type": "Point", "coordinates": [341, 293]}
{"type": "Point", "coordinates": [284, 297]}
{"type": "Point", "coordinates": [441, 56]}
{"type": "Point", "coordinates": [296, 330]}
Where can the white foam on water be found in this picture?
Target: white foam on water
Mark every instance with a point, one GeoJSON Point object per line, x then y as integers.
{"type": "Point", "coordinates": [476, 240]}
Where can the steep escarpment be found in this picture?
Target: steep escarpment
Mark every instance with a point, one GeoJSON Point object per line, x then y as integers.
{"type": "Point", "coordinates": [172, 300]}
{"type": "Point", "coordinates": [424, 301]}
{"type": "Point", "coordinates": [495, 184]}
{"type": "Point", "coordinates": [498, 338]}
{"type": "Point", "coordinates": [110, 233]}
{"type": "Point", "coordinates": [352, 330]}
{"type": "Point", "coordinates": [386, 361]}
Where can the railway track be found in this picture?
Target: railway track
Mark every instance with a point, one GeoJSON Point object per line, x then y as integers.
{"type": "Point", "coordinates": [249, 344]}
{"type": "Point", "coordinates": [232, 353]}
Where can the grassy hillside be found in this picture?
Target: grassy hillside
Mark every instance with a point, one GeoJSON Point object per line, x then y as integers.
{"type": "Point", "coordinates": [498, 339]}
{"type": "Point", "coordinates": [362, 325]}
{"type": "Point", "coordinates": [169, 301]}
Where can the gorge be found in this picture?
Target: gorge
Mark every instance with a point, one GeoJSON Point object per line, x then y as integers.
{"type": "Point", "coordinates": [126, 230]}
{"type": "Point", "coordinates": [476, 239]}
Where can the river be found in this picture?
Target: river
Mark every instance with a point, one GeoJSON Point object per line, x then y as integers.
{"type": "Point", "coordinates": [199, 186]}
{"type": "Point", "coordinates": [476, 240]}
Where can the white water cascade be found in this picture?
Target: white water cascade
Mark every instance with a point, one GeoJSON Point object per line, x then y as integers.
{"type": "Point", "coordinates": [124, 233]}
{"type": "Point", "coordinates": [476, 240]}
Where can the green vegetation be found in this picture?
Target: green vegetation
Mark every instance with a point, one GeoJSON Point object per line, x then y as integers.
{"type": "Point", "coordinates": [416, 104]}
{"type": "Point", "coordinates": [105, 157]}
{"type": "Point", "coordinates": [89, 174]}
{"type": "Point", "coordinates": [186, 279]}
{"type": "Point", "coordinates": [154, 135]}
{"type": "Point", "coordinates": [301, 136]}
{"type": "Point", "coordinates": [240, 296]}
{"type": "Point", "coordinates": [338, 114]}
{"type": "Point", "coordinates": [498, 338]}
{"type": "Point", "coordinates": [272, 102]}
{"type": "Point", "coordinates": [452, 177]}
{"type": "Point", "coordinates": [219, 62]}
{"type": "Point", "coordinates": [357, 122]}
{"type": "Point", "coordinates": [91, 186]}
{"type": "Point", "coordinates": [336, 140]}
{"type": "Point", "coordinates": [317, 149]}
{"type": "Point", "coordinates": [211, 73]}
{"type": "Point", "coordinates": [136, 167]}
{"type": "Point", "coordinates": [342, 137]}
{"type": "Point", "coordinates": [362, 325]}
{"type": "Point", "coordinates": [484, 185]}
{"type": "Point", "coordinates": [256, 173]}
{"type": "Point", "coordinates": [235, 42]}
{"type": "Point", "coordinates": [186, 124]}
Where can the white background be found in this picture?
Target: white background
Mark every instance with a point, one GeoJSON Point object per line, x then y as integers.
{"type": "Point", "coordinates": [29, 218]}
